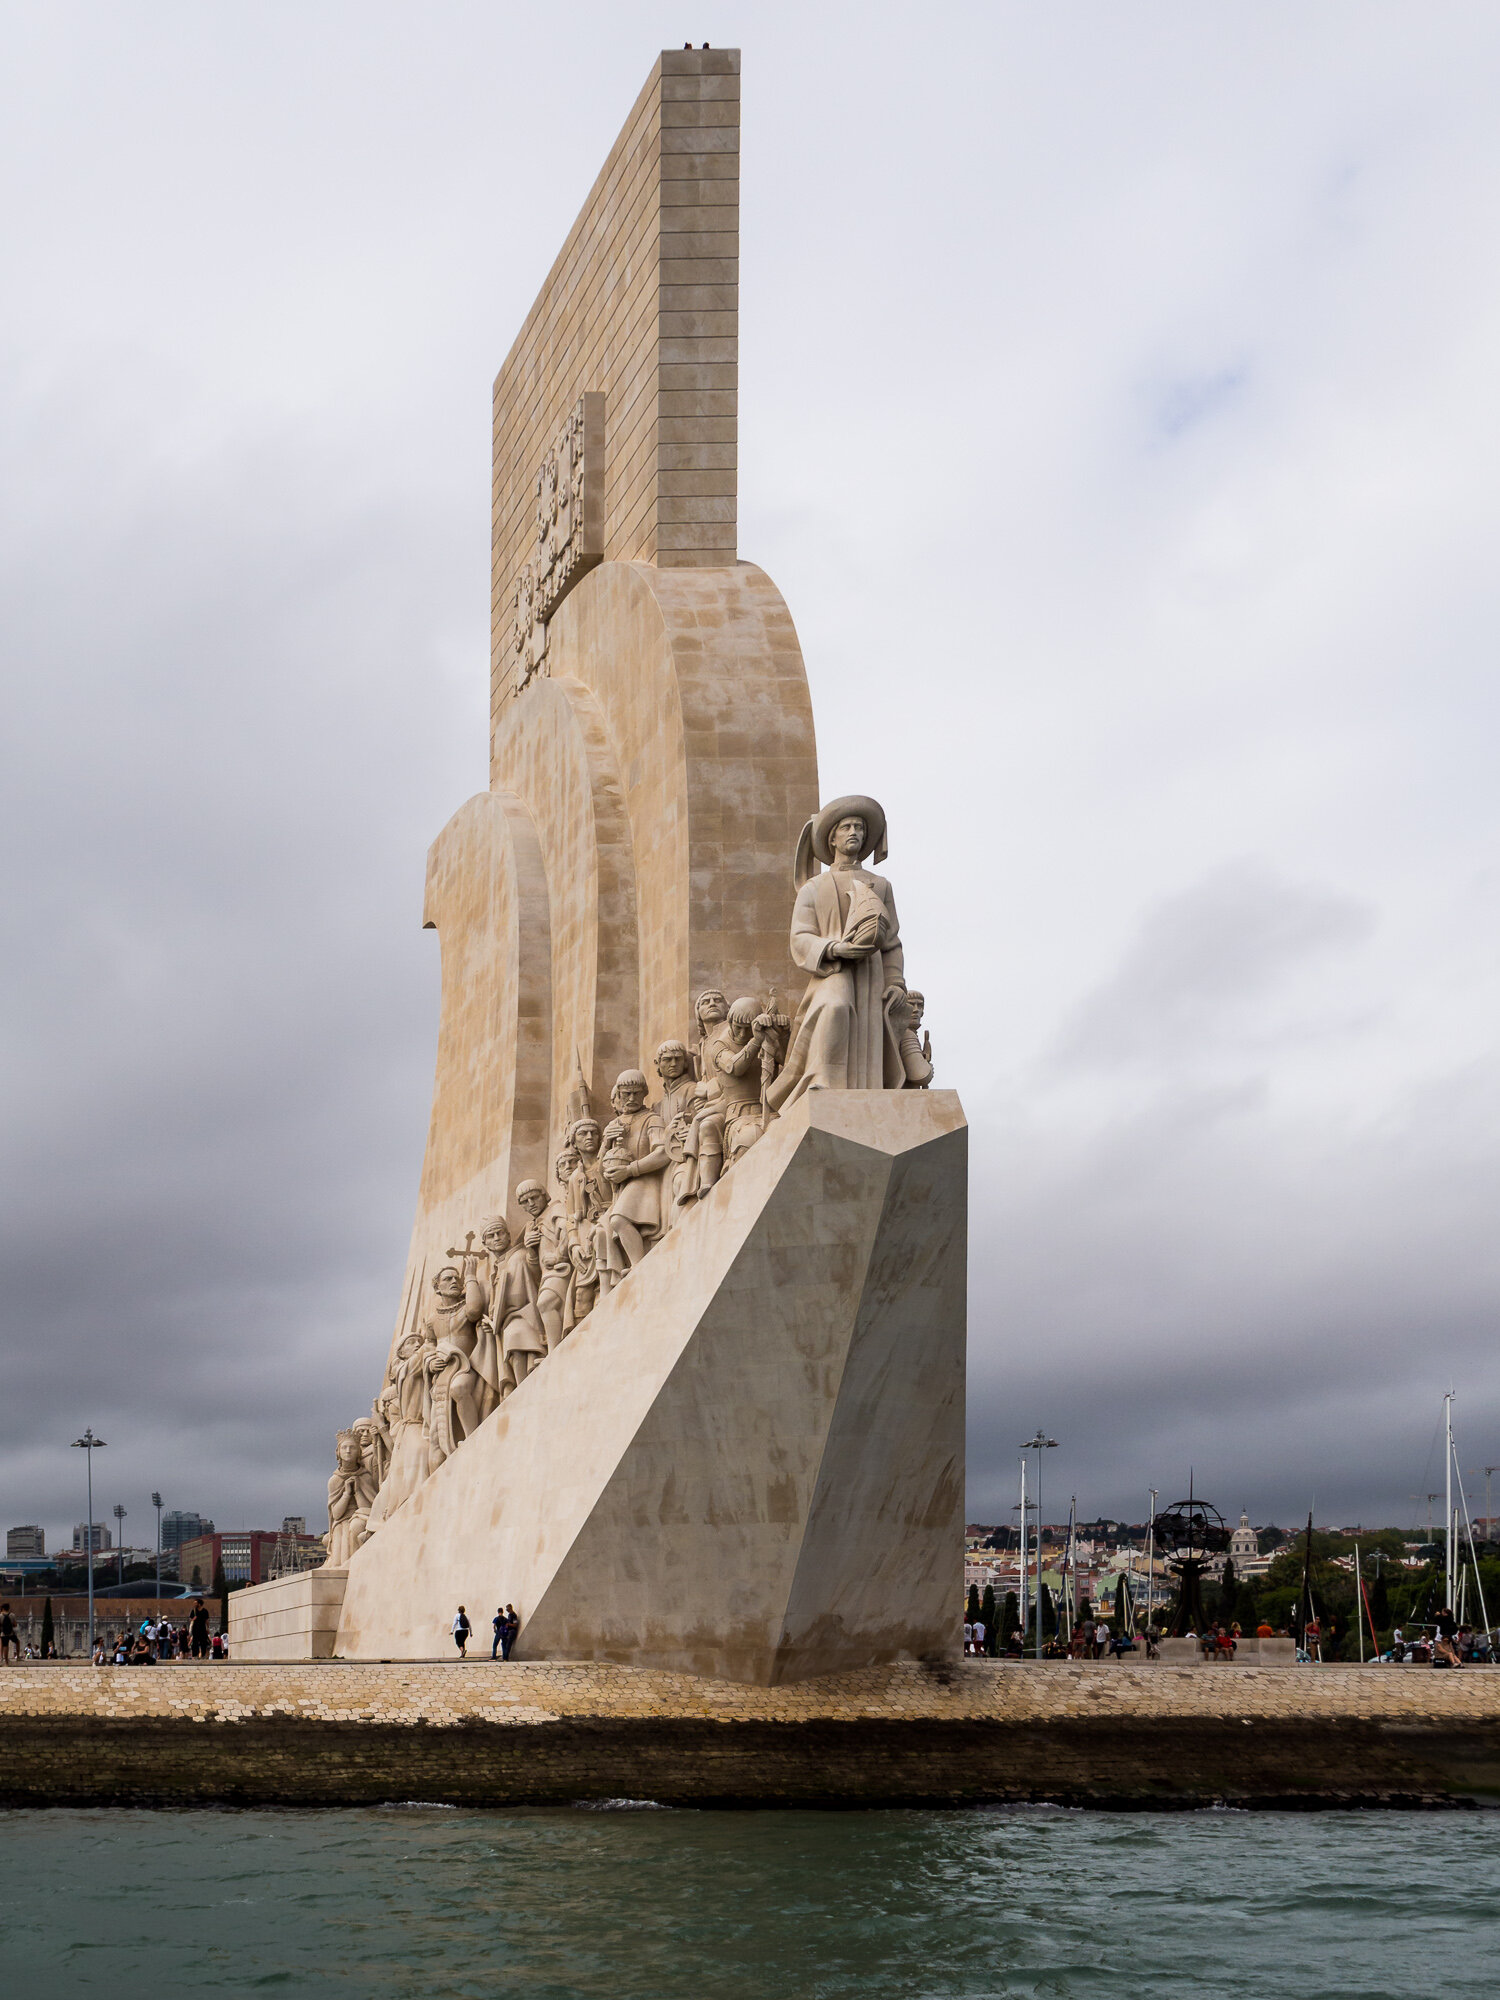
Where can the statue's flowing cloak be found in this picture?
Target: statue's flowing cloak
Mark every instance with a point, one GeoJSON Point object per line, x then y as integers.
{"type": "Point", "coordinates": [842, 1035]}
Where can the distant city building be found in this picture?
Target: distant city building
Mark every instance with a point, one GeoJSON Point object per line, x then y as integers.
{"type": "Point", "coordinates": [246, 1554]}
{"type": "Point", "coordinates": [25, 1542]}
{"type": "Point", "coordinates": [1242, 1542]}
{"type": "Point", "coordinates": [294, 1524]}
{"type": "Point", "coordinates": [177, 1528]}
{"type": "Point", "coordinates": [102, 1539]}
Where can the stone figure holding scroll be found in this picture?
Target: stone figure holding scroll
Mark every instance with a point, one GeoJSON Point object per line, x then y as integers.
{"type": "Point", "coordinates": [846, 938]}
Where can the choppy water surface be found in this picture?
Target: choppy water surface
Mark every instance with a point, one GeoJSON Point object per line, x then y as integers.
{"type": "Point", "coordinates": [643, 1905]}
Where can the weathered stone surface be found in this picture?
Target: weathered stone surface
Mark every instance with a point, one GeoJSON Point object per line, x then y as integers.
{"type": "Point", "coordinates": [748, 1461]}
{"type": "Point", "coordinates": [294, 1618]}
{"type": "Point", "coordinates": [479, 1734]}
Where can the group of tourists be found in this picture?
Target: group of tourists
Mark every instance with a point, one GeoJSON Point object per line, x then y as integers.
{"type": "Point", "coordinates": [505, 1625]}
{"type": "Point", "coordinates": [1446, 1643]}
{"type": "Point", "coordinates": [158, 1639]}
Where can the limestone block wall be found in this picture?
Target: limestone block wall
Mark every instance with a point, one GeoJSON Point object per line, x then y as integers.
{"type": "Point", "coordinates": [642, 304]}
{"type": "Point", "coordinates": [478, 1734]}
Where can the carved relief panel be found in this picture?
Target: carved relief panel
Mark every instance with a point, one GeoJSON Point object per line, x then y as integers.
{"type": "Point", "coordinates": [569, 532]}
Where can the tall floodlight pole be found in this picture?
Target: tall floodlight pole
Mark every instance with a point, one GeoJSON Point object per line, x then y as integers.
{"type": "Point", "coordinates": [156, 1503]}
{"type": "Point", "coordinates": [1489, 1519]}
{"type": "Point", "coordinates": [1025, 1594]}
{"type": "Point", "coordinates": [1448, 1499]}
{"type": "Point", "coordinates": [120, 1541]}
{"type": "Point", "coordinates": [1040, 1443]}
{"type": "Point", "coordinates": [1150, 1559]}
{"type": "Point", "coordinates": [89, 1444]}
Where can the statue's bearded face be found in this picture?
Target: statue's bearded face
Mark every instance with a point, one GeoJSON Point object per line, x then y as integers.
{"type": "Point", "coordinates": [849, 837]}
{"type": "Point", "coordinates": [567, 1166]}
{"type": "Point", "coordinates": [631, 1095]}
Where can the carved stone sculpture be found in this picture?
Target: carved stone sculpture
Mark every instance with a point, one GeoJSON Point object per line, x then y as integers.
{"type": "Point", "coordinates": [351, 1494]}
{"type": "Point", "coordinates": [916, 1046]}
{"type": "Point", "coordinates": [744, 1074]}
{"type": "Point", "coordinates": [510, 1317]}
{"type": "Point", "coordinates": [846, 937]}
{"type": "Point", "coordinates": [404, 1401]}
{"type": "Point", "coordinates": [569, 532]}
{"type": "Point", "coordinates": [453, 1408]}
{"type": "Point", "coordinates": [633, 1166]}
{"type": "Point", "coordinates": [545, 1241]}
{"type": "Point", "coordinates": [709, 1011]}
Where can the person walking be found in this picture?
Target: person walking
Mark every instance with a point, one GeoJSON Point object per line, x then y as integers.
{"type": "Point", "coordinates": [461, 1630]}
{"type": "Point", "coordinates": [198, 1630]}
{"type": "Point", "coordinates": [508, 1636]}
{"type": "Point", "coordinates": [9, 1637]}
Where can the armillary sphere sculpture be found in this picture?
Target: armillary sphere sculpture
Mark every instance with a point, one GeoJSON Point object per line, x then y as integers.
{"type": "Point", "coordinates": [1190, 1534]}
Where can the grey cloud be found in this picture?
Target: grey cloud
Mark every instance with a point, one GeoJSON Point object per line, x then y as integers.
{"type": "Point", "coordinates": [244, 424]}
{"type": "Point", "coordinates": [1204, 958]}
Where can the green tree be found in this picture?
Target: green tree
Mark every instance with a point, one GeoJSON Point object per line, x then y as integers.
{"type": "Point", "coordinates": [1010, 1618]}
{"type": "Point", "coordinates": [1049, 1613]}
{"type": "Point", "coordinates": [221, 1591]}
{"type": "Point", "coordinates": [987, 1613]}
{"type": "Point", "coordinates": [1228, 1587]}
{"type": "Point", "coordinates": [1380, 1603]}
{"type": "Point", "coordinates": [47, 1629]}
{"type": "Point", "coordinates": [971, 1609]}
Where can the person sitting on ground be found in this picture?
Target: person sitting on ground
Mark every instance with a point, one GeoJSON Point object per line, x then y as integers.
{"type": "Point", "coordinates": [1015, 1645]}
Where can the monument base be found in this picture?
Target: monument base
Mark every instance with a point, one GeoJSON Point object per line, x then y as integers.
{"type": "Point", "coordinates": [294, 1618]}
{"type": "Point", "coordinates": [747, 1462]}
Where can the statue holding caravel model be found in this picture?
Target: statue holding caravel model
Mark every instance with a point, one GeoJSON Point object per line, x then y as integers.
{"type": "Point", "coordinates": [503, 1303]}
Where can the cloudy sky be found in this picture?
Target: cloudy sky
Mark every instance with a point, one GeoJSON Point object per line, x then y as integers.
{"type": "Point", "coordinates": [1119, 417]}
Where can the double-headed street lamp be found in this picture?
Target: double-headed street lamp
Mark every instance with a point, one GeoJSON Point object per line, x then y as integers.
{"type": "Point", "coordinates": [156, 1503]}
{"type": "Point", "coordinates": [90, 1444]}
{"type": "Point", "coordinates": [1040, 1443]}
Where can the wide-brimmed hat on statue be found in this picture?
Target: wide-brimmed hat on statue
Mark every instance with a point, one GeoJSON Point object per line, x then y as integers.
{"type": "Point", "coordinates": [814, 845]}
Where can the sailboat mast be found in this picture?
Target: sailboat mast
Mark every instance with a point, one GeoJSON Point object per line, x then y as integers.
{"type": "Point", "coordinates": [1448, 1494]}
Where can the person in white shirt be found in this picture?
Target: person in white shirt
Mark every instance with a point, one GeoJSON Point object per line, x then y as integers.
{"type": "Point", "coordinates": [978, 1635]}
{"type": "Point", "coordinates": [968, 1637]}
{"type": "Point", "coordinates": [461, 1630]}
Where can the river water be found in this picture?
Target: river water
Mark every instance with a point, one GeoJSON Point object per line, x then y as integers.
{"type": "Point", "coordinates": [640, 1904]}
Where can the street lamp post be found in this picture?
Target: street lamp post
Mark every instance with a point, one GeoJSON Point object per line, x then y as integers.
{"type": "Point", "coordinates": [120, 1541]}
{"type": "Point", "coordinates": [1040, 1443]}
{"type": "Point", "coordinates": [89, 1444]}
{"type": "Point", "coordinates": [156, 1503]}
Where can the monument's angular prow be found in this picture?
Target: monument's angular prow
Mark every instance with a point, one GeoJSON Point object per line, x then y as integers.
{"type": "Point", "coordinates": [678, 1364]}
{"type": "Point", "coordinates": [748, 1461]}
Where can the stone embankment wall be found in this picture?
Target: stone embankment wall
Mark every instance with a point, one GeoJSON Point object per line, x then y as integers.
{"type": "Point", "coordinates": [482, 1734]}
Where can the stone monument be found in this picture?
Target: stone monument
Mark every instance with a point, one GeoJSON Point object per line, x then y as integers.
{"type": "Point", "coordinates": [678, 1363]}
